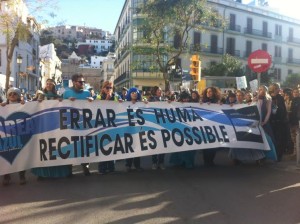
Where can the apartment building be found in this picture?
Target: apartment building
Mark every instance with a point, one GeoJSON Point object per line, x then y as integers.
{"type": "Point", "coordinates": [100, 45]}
{"type": "Point", "coordinates": [250, 27]}
{"type": "Point", "coordinates": [76, 65]}
{"type": "Point", "coordinates": [50, 64]}
{"type": "Point", "coordinates": [24, 75]}
{"type": "Point", "coordinates": [107, 71]}
{"type": "Point", "coordinates": [80, 33]}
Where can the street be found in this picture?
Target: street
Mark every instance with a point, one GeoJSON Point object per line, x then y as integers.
{"type": "Point", "coordinates": [222, 194]}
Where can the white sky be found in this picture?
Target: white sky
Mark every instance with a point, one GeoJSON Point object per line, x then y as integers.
{"type": "Point", "coordinates": [287, 7]}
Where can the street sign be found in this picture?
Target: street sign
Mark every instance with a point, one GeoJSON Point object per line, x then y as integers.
{"type": "Point", "coordinates": [259, 61]}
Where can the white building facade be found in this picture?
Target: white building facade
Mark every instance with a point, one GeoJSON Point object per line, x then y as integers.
{"type": "Point", "coordinates": [50, 64]}
{"type": "Point", "coordinates": [100, 44]}
{"type": "Point", "coordinates": [26, 74]}
{"type": "Point", "coordinates": [249, 28]}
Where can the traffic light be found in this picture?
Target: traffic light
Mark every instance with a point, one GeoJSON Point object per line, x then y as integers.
{"type": "Point", "coordinates": [195, 68]}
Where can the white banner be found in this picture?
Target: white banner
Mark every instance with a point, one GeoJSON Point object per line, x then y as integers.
{"type": "Point", "coordinates": [241, 82]}
{"type": "Point", "coordinates": [55, 133]}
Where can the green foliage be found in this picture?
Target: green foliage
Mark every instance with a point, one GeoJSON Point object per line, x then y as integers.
{"type": "Point", "coordinates": [230, 66]}
{"type": "Point", "coordinates": [166, 28]}
{"type": "Point", "coordinates": [292, 80]}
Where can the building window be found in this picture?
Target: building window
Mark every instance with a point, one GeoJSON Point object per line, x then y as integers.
{"type": "Point", "coordinates": [290, 54]}
{"type": "Point", "coordinates": [278, 51]}
{"type": "Point", "coordinates": [248, 48]}
{"type": "Point", "coordinates": [277, 74]}
{"type": "Point", "coordinates": [290, 71]}
{"type": "Point", "coordinates": [214, 44]}
{"type": "Point", "coordinates": [249, 25]}
{"type": "Point", "coordinates": [230, 46]}
{"type": "Point", "coordinates": [265, 29]}
{"type": "Point", "coordinates": [232, 22]}
{"type": "Point", "coordinates": [264, 47]}
{"type": "Point", "coordinates": [291, 34]}
{"type": "Point", "coordinates": [278, 30]}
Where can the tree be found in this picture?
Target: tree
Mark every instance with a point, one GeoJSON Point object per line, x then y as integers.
{"type": "Point", "coordinates": [229, 66]}
{"type": "Point", "coordinates": [164, 20]}
{"type": "Point", "coordinates": [292, 80]}
{"type": "Point", "coordinates": [13, 25]}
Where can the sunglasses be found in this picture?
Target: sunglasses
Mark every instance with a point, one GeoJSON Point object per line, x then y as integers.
{"type": "Point", "coordinates": [81, 82]}
{"type": "Point", "coordinates": [108, 87]}
{"type": "Point", "coordinates": [12, 94]}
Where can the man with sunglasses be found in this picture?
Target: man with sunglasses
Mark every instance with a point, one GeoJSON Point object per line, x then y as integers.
{"type": "Point", "coordinates": [79, 92]}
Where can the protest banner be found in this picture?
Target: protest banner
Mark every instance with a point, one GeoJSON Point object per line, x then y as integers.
{"type": "Point", "coordinates": [51, 133]}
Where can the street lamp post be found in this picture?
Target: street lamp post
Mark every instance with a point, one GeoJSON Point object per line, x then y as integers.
{"type": "Point", "coordinates": [19, 62]}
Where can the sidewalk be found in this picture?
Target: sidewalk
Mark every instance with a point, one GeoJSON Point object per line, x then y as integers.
{"type": "Point", "coordinates": [288, 163]}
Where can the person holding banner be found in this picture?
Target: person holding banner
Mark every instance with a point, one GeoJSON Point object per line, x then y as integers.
{"type": "Point", "coordinates": [49, 93]}
{"type": "Point", "coordinates": [13, 97]}
{"type": "Point", "coordinates": [248, 97]}
{"type": "Point", "coordinates": [264, 104]}
{"type": "Point", "coordinates": [239, 155]}
{"type": "Point", "coordinates": [157, 160]}
{"type": "Point", "coordinates": [185, 158]}
{"type": "Point", "coordinates": [78, 92]}
{"type": "Point", "coordinates": [107, 93]}
{"type": "Point", "coordinates": [134, 96]}
{"type": "Point", "coordinates": [195, 96]}
{"type": "Point", "coordinates": [210, 95]}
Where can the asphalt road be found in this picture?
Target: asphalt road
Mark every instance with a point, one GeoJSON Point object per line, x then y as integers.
{"type": "Point", "coordinates": [222, 194]}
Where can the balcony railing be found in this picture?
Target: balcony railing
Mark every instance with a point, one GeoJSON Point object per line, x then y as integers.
{"type": "Point", "coordinates": [293, 40]}
{"type": "Point", "coordinates": [123, 76]}
{"type": "Point", "coordinates": [277, 59]}
{"type": "Point", "coordinates": [206, 49]}
{"type": "Point", "coordinates": [260, 33]}
{"type": "Point", "coordinates": [293, 61]}
{"type": "Point", "coordinates": [235, 53]}
{"type": "Point", "coordinates": [236, 28]}
{"type": "Point", "coordinates": [146, 75]}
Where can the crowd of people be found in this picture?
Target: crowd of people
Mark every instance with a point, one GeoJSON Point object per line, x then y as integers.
{"type": "Point", "coordinates": [279, 116]}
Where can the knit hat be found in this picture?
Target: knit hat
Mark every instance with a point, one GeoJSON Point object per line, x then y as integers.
{"type": "Point", "coordinates": [14, 90]}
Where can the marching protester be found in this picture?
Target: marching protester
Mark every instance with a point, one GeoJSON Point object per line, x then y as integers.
{"type": "Point", "coordinates": [240, 97]}
{"type": "Point", "coordinates": [294, 117]}
{"type": "Point", "coordinates": [133, 95]}
{"type": "Point", "coordinates": [49, 93]}
{"type": "Point", "coordinates": [248, 98]}
{"type": "Point", "coordinates": [195, 97]}
{"type": "Point", "coordinates": [107, 93]}
{"type": "Point", "coordinates": [78, 92]}
{"type": "Point", "coordinates": [157, 160]}
{"type": "Point", "coordinates": [210, 95]}
{"type": "Point", "coordinates": [264, 104]}
{"type": "Point", "coordinates": [13, 97]}
{"type": "Point", "coordinates": [289, 144]}
{"type": "Point", "coordinates": [185, 158]}
{"type": "Point", "coordinates": [239, 155]}
{"type": "Point", "coordinates": [124, 93]}
{"type": "Point", "coordinates": [278, 119]}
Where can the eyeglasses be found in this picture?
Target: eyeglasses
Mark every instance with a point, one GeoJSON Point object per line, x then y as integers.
{"type": "Point", "coordinates": [81, 82]}
{"type": "Point", "coordinates": [12, 94]}
{"type": "Point", "coordinates": [108, 87]}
